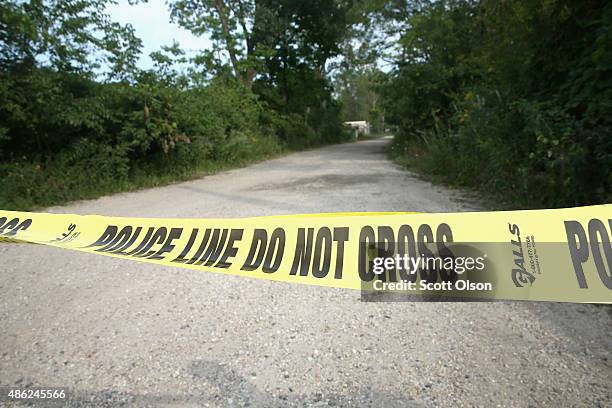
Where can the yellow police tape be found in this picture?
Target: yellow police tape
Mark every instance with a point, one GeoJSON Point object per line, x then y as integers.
{"type": "Point", "coordinates": [560, 255]}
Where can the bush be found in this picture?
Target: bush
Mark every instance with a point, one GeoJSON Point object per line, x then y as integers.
{"type": "Point", "coordinates": [127, 134]}
{"type": "Point", "coordinates": [509, 98]}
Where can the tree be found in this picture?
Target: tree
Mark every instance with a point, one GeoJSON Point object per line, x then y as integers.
{"type": "Point", "coordinates": [230, 24]}
{"type": "Point", "coordinates": [265, 36]}
{"type": "Point", "coordinates": [521, 85]}
{"type": "Point", "coordinates": [66, 35]}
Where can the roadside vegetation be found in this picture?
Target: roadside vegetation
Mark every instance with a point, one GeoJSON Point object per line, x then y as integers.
{"type": "Point", "coordinates": [79, 119]}
{"type": "Point", "coordinates": [509, 97]}
{"type": "Point", "coordinates": [512, 97]}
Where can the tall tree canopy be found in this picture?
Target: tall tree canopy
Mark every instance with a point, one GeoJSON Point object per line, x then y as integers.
{"type": "Point", "coordinates": [514, 91]}
{"type": "Point", "coordinates": [266, 37]}
{"type": "Point", "coordinates": [66, 35]}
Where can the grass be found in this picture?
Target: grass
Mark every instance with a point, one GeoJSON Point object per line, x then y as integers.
{"type": "Point", "coordinates": [55, 186]}
{"type": "Point", "coordinates": [417, 159]}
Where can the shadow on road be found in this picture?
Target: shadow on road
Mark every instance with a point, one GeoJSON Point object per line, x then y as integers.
{"type": "Point", "coordinates": [228, 388]}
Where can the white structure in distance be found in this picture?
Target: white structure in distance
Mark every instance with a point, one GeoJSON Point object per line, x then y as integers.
{"type": "Point", "coordinates": [360, 127]}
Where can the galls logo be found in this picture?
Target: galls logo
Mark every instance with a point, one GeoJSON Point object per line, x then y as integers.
{"type": "Point", "coordinates": [520, 276]}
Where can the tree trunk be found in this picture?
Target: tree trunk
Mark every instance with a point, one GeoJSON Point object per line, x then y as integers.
{"type": "Point", "coordinates": [247, 79]}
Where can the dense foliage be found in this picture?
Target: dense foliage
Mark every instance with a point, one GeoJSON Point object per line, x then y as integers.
{"type": "Point", "coordinates": [79, 119]}
{"type": "Point", "coordinates": [512, 97]}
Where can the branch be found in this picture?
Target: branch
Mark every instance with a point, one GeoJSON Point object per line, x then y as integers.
{"type": "Point", "coordinates": [221, 11]}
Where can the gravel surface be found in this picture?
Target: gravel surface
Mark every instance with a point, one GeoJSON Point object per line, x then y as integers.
{"type": "Point", "coordinates": [120, 333]}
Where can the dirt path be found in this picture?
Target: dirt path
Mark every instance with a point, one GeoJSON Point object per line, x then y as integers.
{"type": "Point", "coordinates": [122, 332]}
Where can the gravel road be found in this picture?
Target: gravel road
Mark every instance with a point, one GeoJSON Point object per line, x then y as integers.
{"type": "Point", "coordinates": [123, 333]}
